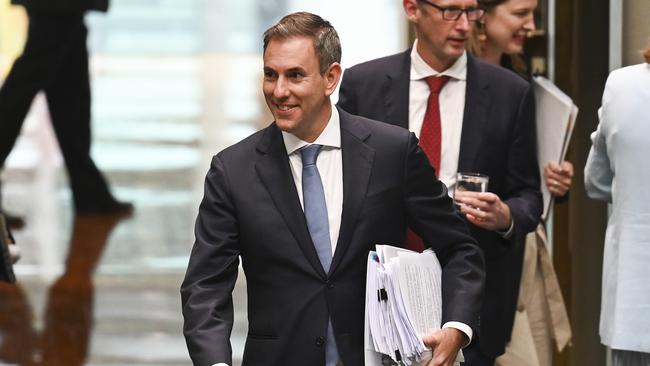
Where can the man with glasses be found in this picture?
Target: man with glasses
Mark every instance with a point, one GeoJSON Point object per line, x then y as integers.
{"type": "Point", "coordinates": [470, 117]}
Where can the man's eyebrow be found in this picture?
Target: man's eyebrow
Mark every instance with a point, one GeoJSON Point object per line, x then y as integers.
{"type": "Point", "coordinates": [296, 69]}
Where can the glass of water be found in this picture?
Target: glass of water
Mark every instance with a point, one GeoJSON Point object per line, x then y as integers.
{"type": "Point", "coordinates": [469, 182]}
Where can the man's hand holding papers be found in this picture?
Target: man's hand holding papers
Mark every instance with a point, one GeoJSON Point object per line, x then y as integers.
{"type": "Point", "coordinates": [404, 310]}
{"type": "Point", "coordinates": [445, 344]}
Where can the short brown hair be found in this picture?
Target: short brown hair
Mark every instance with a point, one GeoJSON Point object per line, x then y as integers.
{"type": "Point", "coordinates": [302, 24]}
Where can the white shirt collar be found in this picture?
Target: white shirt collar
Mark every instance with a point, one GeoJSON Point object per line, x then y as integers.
{"type": "Point", "coordinates": [331, 135]}
{"type": "Point", "coordinates": [420, 69]}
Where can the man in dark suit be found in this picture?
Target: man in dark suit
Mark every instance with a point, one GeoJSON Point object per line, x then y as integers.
{"type": "Point", "coordinates": [485, 125]}
{"type": "Point", "coordinates": [55, 61]}
{"type": "Point", "coordinates": [304, 242]}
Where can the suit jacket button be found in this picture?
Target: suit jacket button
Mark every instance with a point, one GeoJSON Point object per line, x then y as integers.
{"type": "Point", "coordinates": [320, 341]}
{"type": "Point", "coordinates": [329, 284]}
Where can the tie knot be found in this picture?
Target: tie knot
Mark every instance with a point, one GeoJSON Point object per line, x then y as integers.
{"type": "Point", "coordinates": [436, 82]}
{"type": "Point", "coordinates": [309, 154]}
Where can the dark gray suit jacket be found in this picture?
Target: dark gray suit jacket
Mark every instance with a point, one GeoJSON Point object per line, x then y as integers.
{"type": "Point", "coordinates": [251, 210]}
{"type": "Point", "coordinates": [498, 139]}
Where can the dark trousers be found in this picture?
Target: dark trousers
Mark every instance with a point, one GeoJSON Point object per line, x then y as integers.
{"type": "Point", "coordinates": [55, 61]}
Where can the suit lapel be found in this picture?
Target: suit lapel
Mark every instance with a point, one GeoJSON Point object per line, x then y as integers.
{"type": "Point", "coordinates": [274, 170]}
{"type": "Point", "coordinates": [396, 91]}
{"type": "Point", "coordinates": [477, 99]}
{"type": "Point", "coordinates": [357, 166]}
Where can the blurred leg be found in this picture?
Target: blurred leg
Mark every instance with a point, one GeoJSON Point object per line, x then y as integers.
{"type": "Point", "coordinates": [41, 58]}
{"type": "Point", "coordinates": [29, 74]}
{"type": "Point", "coordinates": [69, 101]}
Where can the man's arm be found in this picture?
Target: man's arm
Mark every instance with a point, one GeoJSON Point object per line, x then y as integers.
{"type": "Point", "coordinates": [598, 171]}
{"type": "Point", "coordinates": [206, 291]}
{"type": "Point", "coordinates": [432, 216]}
{"type": "Point", "coordinates": [522, 185]}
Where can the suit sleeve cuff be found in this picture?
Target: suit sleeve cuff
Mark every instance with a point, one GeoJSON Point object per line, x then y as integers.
{"type": "Point", "coordinates": [507, 234]}
{"type": "Point", "coordinates": [463, 328]}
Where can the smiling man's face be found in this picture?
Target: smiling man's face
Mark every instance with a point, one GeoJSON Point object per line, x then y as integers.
{"type": "Point", "coordinates": [295, 91]}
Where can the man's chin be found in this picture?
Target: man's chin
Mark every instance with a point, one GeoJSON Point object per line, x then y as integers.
{"type": "Point", "coordinates": [285, 125]}
{"type": "Point", "coordinates": [457, 49]}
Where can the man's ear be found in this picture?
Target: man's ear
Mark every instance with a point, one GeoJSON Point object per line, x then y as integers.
{"type": "Point", "coordinates": [332, 77]}
{"type": "Point", "coordinates": [412, 10]}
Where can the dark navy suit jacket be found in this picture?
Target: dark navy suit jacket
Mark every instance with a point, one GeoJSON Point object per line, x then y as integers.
{"type": "Point", "coordinates": [251, 210]}
{"type": "Point", "coordinates": [498, 139]}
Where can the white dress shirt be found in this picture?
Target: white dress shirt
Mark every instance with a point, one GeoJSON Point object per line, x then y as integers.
{"type": "Point", "coordinates": [452, 108]}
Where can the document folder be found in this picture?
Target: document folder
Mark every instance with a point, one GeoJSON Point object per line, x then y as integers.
{"type": "Point", "coordinates": [555, 118]}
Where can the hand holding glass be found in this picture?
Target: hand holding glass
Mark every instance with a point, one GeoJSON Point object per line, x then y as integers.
{"type": "Point", "coordinates": [469, 182]}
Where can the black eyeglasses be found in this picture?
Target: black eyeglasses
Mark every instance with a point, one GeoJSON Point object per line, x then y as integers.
{"type": "Point", "coordinates": [453, 13]}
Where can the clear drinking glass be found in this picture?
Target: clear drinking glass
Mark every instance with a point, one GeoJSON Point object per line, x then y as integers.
{"type": "Point", "coordinates": [469, 182]}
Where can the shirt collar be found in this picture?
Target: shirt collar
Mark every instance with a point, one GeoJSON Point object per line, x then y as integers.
{"type": "Point", "coordinates": [331, 135]}
{"type": "Point", "coordinates": [420, 69]}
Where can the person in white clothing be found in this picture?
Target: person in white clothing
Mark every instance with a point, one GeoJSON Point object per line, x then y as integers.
{"type": "Point", "coordinates": [616, 172]}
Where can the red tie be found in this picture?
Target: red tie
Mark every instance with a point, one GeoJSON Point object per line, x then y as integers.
{"type": "Point", "coordinates": [431, 133]}
{"type": "Point", "coordinates": [430, 142]}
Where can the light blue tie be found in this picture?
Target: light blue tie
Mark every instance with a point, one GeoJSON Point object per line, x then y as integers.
{"type": "Point", "coordinates": [318, 223]}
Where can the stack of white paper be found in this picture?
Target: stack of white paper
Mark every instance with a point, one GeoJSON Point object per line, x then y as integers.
{"type": "Point", "coordinates": [555, 118]}
{"type": "Point", "coordinates": [403, 304]}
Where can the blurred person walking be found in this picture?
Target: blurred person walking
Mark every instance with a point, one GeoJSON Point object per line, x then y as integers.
{"type": "Point", "coordinates": [615, 173]}
{"type": "Point", "coordinates": [55, 61]}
